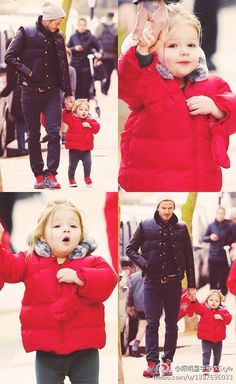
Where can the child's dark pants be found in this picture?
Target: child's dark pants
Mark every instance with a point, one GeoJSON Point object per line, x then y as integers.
{"type": "Point", "coordinates": [82, 367]}
{"type": "Point", "coordinates": [207, 346]}
{"type": "Point", "coordinates": [74, 157]}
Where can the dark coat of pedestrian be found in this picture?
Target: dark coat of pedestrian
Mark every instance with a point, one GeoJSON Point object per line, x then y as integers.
{"type": "Point", "coordinates": [165, 255]}
{"type": "Point", "coordinates": [38, 54]}
{"type": "Point", "coordinates": [82, 43]}
{"type": "Point", "coordinates": [218, 266]}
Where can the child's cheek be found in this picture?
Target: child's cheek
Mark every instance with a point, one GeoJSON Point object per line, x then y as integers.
{"type": "Point", "coordinates": [160, 55]}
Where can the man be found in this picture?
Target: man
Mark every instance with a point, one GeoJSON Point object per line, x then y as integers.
{"type": "Point", "coordinates": [38, 54]}
{"type": "Point", "coordinates": [166, 254]}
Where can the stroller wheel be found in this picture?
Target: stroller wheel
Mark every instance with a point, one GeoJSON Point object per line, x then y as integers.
{"type": "Point", "coordinates": [98, 111]}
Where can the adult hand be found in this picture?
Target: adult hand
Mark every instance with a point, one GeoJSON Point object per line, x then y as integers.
{"type": "Point", "coordinates": [131, 311]}
{"type": "Point", "coordinates": [191, 294]}
{"type": "Point", "coordinates": [69, 102]}
{"type": "Point", "coordinates": [146, 40]}
{"type": "Point", "coordinates": [1, 232]}
{"type": "Point", "coordinates": [79, 48]}
{"type": "Point", "coordinates": [68, 275]}
{"type": "Point", "coordinates": [153, 11]}
{"type": "Point", "coordinates": [214, 237]}
{"type": "Point", "coordinates": [98, 55]}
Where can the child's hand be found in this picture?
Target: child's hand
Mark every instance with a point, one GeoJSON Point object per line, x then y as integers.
{"type": "Point", "coordinates": [217, 316]}
{"type": "Point", "coordinates": [153, 11]}
{"type": "Point", "coordinates": [1, 232]}
{"type": "Point", "coordinates": [203, 105]}
{"type": "Point", "coordinates": [68, 275]}
{"type": "Point", "coordinates": [86, 125]}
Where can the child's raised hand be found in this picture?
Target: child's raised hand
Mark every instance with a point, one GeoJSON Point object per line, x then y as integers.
{"type": "Point", "coordinates": [1, 232]}
{"type": "Point", "coordinates": [203, 105]}
{"type": "Point", "coordinates": [217, 316]}
{"type": "Point", "coordinates": [85, 124]}
{"type": "Point", "coordinates": [68, 275]}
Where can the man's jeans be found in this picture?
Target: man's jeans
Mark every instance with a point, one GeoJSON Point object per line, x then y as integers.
{"type": "Point", "coordinates": [207, 347]}
{"type": "Point", "coordinates": [49, 103]}
{"type": "Point", "coordinates": [158, 296]}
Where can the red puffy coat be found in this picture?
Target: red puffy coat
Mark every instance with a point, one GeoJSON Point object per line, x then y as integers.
{"type": "Point", "coordinates": [77, 136]}
{"type": "Point", "coordinates": [60, 317]}
{"type": "Point", "coordinates": [210, 328]}
{"type": "Point", "coordinates": [163, 147]}
{"type": "Point", "coordinates": [231, 281]}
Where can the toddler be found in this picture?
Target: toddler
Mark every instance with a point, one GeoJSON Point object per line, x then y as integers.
{"type": "Point", "coordinates": [212, 328]}
{"type": "Point", "coordinates": [79, 138]}
{"type": "Point", "coordinates": [177, 134]}
{"type": "Point", "coordinates": [62, 314]}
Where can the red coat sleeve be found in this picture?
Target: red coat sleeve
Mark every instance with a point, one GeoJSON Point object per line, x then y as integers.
{"type": "Point", "coordinates": [231, 281]}
{"type": "Point", "coordinates": [95, 126]}
{"type": "Point", "coordinates": [100, 280]}
{"type": "Point", "coordinates": [129, 75]}
{"type": "Point", "coordinates": [225, 100]}
{"type": "Point", "coordinates": [226, 316]}
{"type": "Point", "coordinates": [67, 117]}
{"type": "Point", "coordinates": [12, 266]}
{"type": "Point", "coordinates": [198, 308]}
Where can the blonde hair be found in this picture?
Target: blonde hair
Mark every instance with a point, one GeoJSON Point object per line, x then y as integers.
{"type": "Point", "coordinates": [78, 102]}
{"type": "Point", "coordinates": [179, 15]}
{"type": "Point", "coordinates": [215, 292]}
{"type": "Point", "coordinates": [50, 209]}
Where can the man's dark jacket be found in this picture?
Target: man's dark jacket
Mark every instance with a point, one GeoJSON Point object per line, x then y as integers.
{"type": "Point", "coordinates": [150, 238]}
{"type": "Point", "coordinates": [33, 49]}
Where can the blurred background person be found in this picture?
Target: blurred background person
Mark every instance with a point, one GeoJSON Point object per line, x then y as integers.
{"type": "Point", "coordinates": [218, 266]}
{"type": "Point", "coordinates": [206, 11]}
{"type": "Point", "coordinates": [107, 35]}
{"type": "Point", "coordinates": [135, 309]}
{"type": "Point", "coordinates": [82, 43]}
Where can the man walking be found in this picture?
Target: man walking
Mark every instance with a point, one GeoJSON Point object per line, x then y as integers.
{"type": "Point", "coordinates": [166, 254]}
{"type": "Point", "coordinates": [38, 54]}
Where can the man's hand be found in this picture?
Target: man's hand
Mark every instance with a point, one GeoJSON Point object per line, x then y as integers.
{"type": "Point", "coordinates": [68, 275]}
{"type": "Point", "coordinates": [153, 11]}
{"type": "Point", "coordinates": [146, 41]}
{"type": "Point", "coordinates": [203, 105]}
{"type": "Point", "coordinates": [69, 102]}
{"type": "Point", "coordinates": [191, 294]}
{"type": "Point", "coordinates": [1, 232]}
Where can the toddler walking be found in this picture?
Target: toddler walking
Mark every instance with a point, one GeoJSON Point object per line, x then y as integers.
{"type": "Point", "coordinates": [79, 138]}
{"type": "Point", "coordinates": [212, 328]}
{"type": "Point", "coordinates": [62, 313]}
{"type": "Point", "coordinates": [177, 134]}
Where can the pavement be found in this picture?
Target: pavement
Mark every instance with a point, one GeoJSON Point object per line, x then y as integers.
{"type": "Point", "coordinates": [16, 175]}
{"type": "Point", "coordinates": [188, 357]}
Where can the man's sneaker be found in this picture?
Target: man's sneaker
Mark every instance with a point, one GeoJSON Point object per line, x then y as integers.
{"type": "Point", "coordinates": [51, 182]}
{"type": "Point", "coordinates": [72, 183]}
{"type": "Point", "coordinates": [166, 368]}
{"type": "Point", "coordinates": [39, 183]}
{"type": "Point", "coordinates": [216, 369]}
{"type": "Point", "coordinates": [152, 370]}
{"type": "Point", "coordinates": [205, 369]}
{"type": "Point", "coordinates": [87, 180]}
